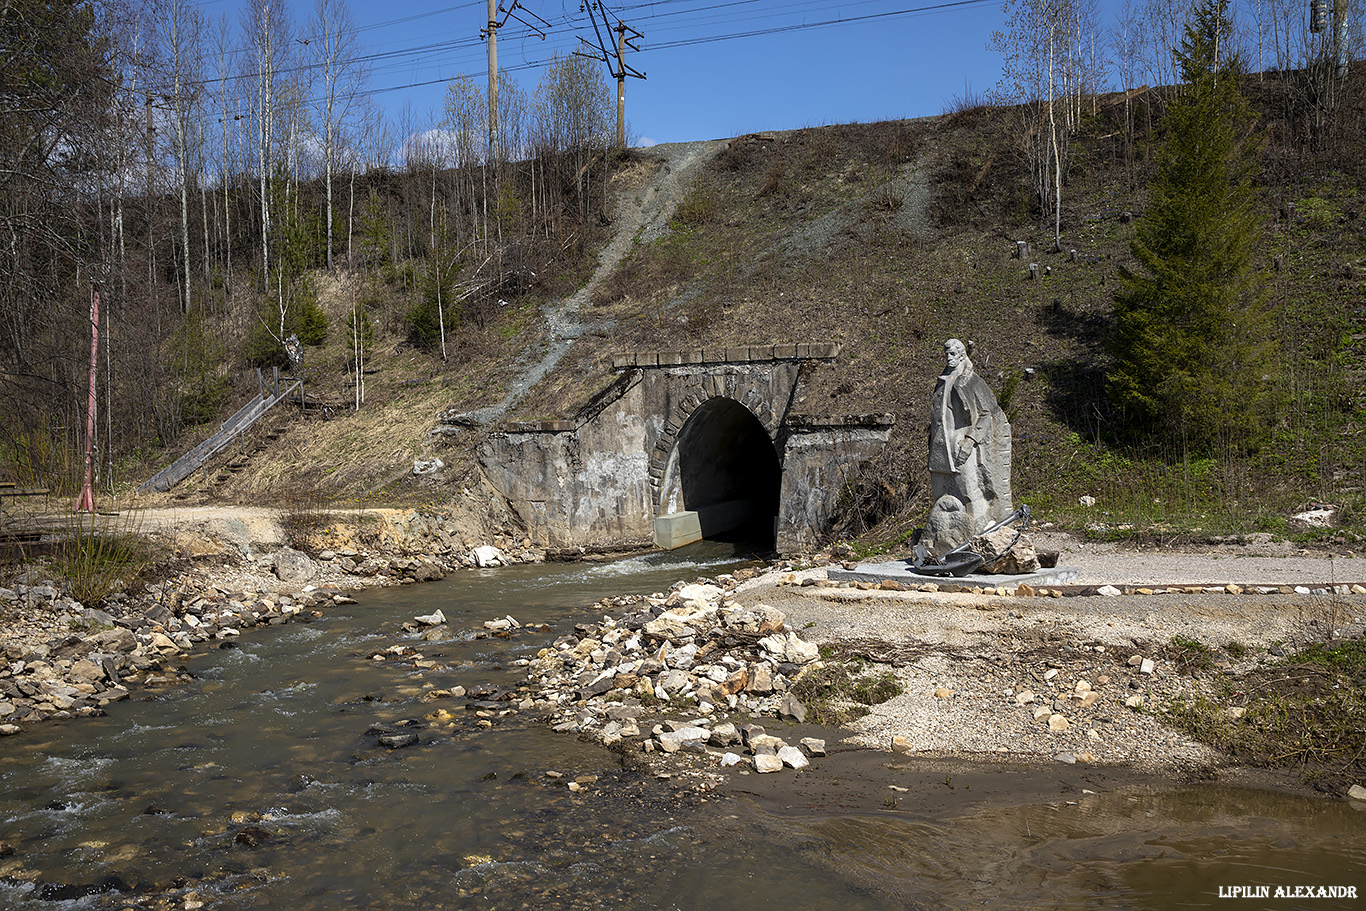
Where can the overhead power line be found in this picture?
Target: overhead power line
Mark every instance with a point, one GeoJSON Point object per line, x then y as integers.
{"type": "Point", "coordinates": [447, 53]}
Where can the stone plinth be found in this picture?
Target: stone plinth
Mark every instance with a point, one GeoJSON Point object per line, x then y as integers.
{"type": "Point", "coordinates": [677, 529]}
{"type": "Point", "coordinates": [901, 571]}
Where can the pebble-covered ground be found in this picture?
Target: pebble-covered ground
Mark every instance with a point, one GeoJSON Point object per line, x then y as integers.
{"type": "Point", "coordinates": [682, 677]}
{"type": "Point", "coordinates": [1083, 678]}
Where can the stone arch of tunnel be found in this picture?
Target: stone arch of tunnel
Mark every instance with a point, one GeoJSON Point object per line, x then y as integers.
{"type": "Point", "coordinates": [723, 478]}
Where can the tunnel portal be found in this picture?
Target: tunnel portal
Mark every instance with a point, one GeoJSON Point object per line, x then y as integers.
{"type": "Point", "coordinates": [682, 445]}
{"type": "Point", "coordinates": [728, 475]}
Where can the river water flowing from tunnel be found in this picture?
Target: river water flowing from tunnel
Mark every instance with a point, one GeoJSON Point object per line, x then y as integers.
{"type": "Point", "coordinates": [257, 786]}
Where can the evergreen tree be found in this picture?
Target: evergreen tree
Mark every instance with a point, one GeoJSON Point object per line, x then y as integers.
{"type": "Point", "coordinates": [1192, 343]}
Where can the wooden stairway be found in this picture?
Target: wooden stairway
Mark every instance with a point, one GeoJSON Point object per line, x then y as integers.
{"type": "Point", "coordinates": [228, 433]}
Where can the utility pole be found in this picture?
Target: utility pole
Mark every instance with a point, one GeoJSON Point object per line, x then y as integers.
{"type": "Point", "coordinates": [493, 78]}
{"type": "Point", "coordinates": [1340, 37]}
{"type": "Point", "coordinates": [491, 32]}
{"type": "Point", "coordinates": [600, 52]}
{"type": "Point", "coordinates": [86, 503]}
{"type": "Point", "coordinates": [622, 43]}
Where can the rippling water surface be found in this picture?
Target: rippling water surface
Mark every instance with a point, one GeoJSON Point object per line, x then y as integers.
{"type": "Point", "coordinates": [257, 786]}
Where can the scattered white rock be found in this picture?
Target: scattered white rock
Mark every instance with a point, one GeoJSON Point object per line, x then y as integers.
{"type": "Point", "coordinates": [1108, 591]}
{"type": "Point", "coordinates": [486, 555]}
{"type": "Point", "coordinates": [427, 466]}
{"type": "Point", "coordinates": [436, 618]}
{"type": "Point", "coordinates": [1316, 517]}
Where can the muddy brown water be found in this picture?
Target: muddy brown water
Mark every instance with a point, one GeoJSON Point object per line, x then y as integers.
{"type": "Point", "coordinates": [257, 786]}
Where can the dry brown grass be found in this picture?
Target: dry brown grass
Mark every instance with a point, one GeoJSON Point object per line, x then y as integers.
{"type": "Point", "coordinates": [806, 236]}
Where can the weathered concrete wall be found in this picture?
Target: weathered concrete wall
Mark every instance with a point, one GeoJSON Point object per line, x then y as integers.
{"type": "Point", "coordinates": [577, 484]}
{"type": "Point", "coordinates": [818, 455]}
{"type": "Point", "coordinates": [602, 478]}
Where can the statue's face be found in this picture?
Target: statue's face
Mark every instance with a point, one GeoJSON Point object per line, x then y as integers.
{"type": "Point", "coordinates": [954, 354]}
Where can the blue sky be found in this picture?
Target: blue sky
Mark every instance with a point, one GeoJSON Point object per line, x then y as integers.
{"type": "Point", "coordinates": [897, 65]}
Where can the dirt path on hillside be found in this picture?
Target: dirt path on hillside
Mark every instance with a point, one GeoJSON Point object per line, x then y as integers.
{"type": "Point", "coordinates": [641, 216]}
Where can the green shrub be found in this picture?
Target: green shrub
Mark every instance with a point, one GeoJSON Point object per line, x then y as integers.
{"type": "Point", "coordinates": [97, 561]}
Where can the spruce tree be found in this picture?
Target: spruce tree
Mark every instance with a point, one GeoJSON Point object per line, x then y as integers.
{"type": "Point", "coordinates": [1192, 343]}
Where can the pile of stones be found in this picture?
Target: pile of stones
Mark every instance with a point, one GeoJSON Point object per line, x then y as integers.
{"type": "Point", "coordinates": [691, 652]}
{"type": "Point", "coordinates": [61, 659]}
{"type": "Point", "coordinates": [92, 657]}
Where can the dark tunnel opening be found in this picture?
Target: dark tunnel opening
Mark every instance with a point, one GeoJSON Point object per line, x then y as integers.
{"type": "Point", "coordinates": [730, 474]}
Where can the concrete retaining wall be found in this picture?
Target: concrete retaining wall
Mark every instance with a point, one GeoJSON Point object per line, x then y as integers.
{"type": "Point", "coordinates": [602, 478]}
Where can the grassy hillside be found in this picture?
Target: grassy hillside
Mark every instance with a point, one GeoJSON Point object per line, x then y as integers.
{"type": "Point", "coordinates": [890, 238]}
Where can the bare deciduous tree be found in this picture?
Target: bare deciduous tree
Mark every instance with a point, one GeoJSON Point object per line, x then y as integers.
{"type": "Point", "coordinates": [336, 54]}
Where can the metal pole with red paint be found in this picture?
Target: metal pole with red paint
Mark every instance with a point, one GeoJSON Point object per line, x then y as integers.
{"type": "Point", "coordinates": [87, 500]}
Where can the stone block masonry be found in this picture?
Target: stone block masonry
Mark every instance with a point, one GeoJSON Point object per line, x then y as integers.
{"type": "Point", "coordinates": [705, 431]}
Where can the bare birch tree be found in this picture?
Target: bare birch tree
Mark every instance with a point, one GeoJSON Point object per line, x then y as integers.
{"type": "Point", "coordinates": [181, 38]}
{"type": "Point", "coordinates": [1041, 74]}
{"type": "Point", "coordinates": [267, 30]}
{"type": "Point", "coordinates": [336, 53]}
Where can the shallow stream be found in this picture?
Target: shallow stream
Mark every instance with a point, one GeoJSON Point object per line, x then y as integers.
{"type": "Point", "coordinates": [257, 786]}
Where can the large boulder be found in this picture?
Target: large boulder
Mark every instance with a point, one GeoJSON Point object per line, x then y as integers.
{"type": "Point", "coordinates": [789, 648]}
{"type": "Point", "coordinates": [487, 555]}
{"type": "Point", "coordinates": [688, 619]}
{"type": "Point", "coordinates": [709, 594]}
{"type": "Point", "coordinates": [1003, 553]}
{"type": "Point", "coordinates": [293, 566]}
{"type": "Point", "coordinates": [759, 619]}
{"type": "Point", "coordinates": [110, 640]}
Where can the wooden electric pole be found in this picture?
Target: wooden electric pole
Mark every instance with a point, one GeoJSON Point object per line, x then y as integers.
{"type": "Point", "coordinates": [621, 71]}
{"type": "Point", "coordinates": [491, 32]}
{"type": "Point", "coordinates": [622, 44]}
{"type": "Point", "coordinates": [493, 79]}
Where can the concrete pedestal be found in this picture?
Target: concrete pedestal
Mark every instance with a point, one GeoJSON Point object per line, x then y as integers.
{"type": "Point", "coordinates": [901, 571]}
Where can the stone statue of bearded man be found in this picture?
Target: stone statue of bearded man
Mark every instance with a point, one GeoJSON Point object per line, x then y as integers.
{"type": "Point", "coordinates": [969, 454]}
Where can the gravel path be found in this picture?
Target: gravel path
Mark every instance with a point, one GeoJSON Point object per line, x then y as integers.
{"type": "Point", "coordinates": [1260, 562]}
{"type": "Point", "coordinates": [639, 216]}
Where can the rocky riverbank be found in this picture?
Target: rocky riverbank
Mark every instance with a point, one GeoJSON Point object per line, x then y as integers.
{"type": "Point", "coordinates": [62, 659]}
{"type": "Point", "coordinates": [691, 658]}
{"type": "Point", "coordinates": [718, 676]}
{"type": "Point", "coordinates": [685, 678]}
